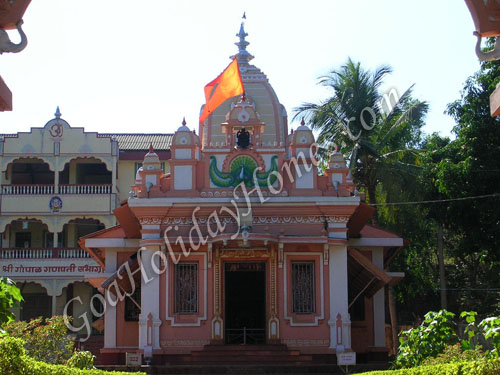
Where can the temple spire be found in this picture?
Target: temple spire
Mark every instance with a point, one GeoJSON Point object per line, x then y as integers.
{"type": "Point", "coordinates": [243, 55]}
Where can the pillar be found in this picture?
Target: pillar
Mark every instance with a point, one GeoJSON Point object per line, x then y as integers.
{"type": "Point", "coordinates": [339, 301]}
{"type": "Point", "coordinates": [56, 181]}
{"type": "Point", "coordinates": [56, 239]}
{"type": "Point", "coordinates": [54, 304]}
{"type": "Point", "coordinates": [110, 312]}
{"type": "Point", "coordinates": [378, 303]}
{"type": "Point", "coordinates": [150, 297]}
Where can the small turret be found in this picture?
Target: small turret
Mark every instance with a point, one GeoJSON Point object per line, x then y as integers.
{"type": "Point", "coordinates": [185, 156]}
{"type": "Point", "coordinates": [339, 176]}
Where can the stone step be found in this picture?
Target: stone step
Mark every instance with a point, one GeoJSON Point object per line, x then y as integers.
{"type": "Point", "coordinates": [245, 353]}
{"type": "Point", "coordinates": [230, 359]}
{"type": "Point", "coordinates": [243, 369]}
{"type": "Point", "coordinates": [273, 347]}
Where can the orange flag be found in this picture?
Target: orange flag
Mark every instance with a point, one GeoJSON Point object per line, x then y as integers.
{"type": "Point", "coordinates": [225, 86]}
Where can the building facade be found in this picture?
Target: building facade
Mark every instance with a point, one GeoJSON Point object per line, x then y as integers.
{"type": "Point", "coordinates": [242, 242]}
{"type": "Point", "coordinates": [59, 183]}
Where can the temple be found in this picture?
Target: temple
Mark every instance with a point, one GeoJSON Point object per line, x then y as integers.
{"type": "Point", "coordinates": [243, 242]}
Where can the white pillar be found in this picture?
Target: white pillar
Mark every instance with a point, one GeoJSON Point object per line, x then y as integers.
{"type": "Point", "coordinates": [54, 304]}
{"type": "Point", "coordinates": [150, 296]}
{"type": "Point", "coordinates": [110, 312]}
{"type": "Point", "coordinates": [378, 303]}
{"type": "Point", "coordinates": [56, 239]}
{"type": "Point", "coordinates": [339, 301]}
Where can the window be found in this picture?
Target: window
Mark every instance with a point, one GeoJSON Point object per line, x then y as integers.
{"type": "Point", "coordinates": [23, 239]}
{"type": "Point", "coordinates": [303, 287]}
{"type": "Point", "coordinates": [132, 311]}
{"type": "Point", "coordinates": [186, 288]}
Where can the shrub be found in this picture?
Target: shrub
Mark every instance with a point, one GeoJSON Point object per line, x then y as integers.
{"type": "Point", "coordinates": [81, 360]}
{"type": "Point", "coordinates": [10, 296]}
{"type": "Point", "coordinates": [481, 367]}
{"type": "Point", "coordinates": [456, 353]}
{"type": "Point", "coordinates": [436, 336]}
{"type": "Point", "coordinates": [14, 361]}
{"type": "Point", "coordinates": [45, 340]}
{"type": "Point", "coordinates": [436, 332]}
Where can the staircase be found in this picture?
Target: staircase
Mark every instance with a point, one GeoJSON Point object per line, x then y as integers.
{"type": "Point", "coordinates": [245, 359]}
{"type": "Point", "coordinates": [241, 354]}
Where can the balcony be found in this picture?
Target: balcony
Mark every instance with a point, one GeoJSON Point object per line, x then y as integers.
{"type": "Point", "coordinates": [42, 199]}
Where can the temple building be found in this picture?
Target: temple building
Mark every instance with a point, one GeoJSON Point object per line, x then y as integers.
{"type": "Point", "coordinates": [240, 241]}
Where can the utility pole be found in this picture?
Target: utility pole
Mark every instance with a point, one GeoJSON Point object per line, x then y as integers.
{"type": "Point", "coordinates": [442, 276]}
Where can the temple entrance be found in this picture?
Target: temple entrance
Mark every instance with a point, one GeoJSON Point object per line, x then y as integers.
{"type": "Point", "coordinates": [245, 303]}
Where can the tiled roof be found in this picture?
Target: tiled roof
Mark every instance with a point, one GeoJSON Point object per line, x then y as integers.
{"type": "Point", "coordinates": [135, 141]}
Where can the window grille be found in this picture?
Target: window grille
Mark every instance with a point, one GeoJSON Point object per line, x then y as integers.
{"type": "Point", "coordinates": [186, 288]}
{"type": "Point", "coordinates": [303, 287]}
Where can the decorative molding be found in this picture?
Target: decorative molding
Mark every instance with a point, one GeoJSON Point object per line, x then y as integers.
{"type": "Point", "coordinates": [150, 220]}
{"type": "Point", "coordinates": [217, 322]}
{"type": "Point", "coordinates": [244, 253]}
{"type": "Point", "coordinates": [199, 220]}
{"type": "Point", "coordinates": [273, 320]}
{"type": "Point", "coordinates": [299, 219]}
{"type": "Point", "coordinates": [326, 254]}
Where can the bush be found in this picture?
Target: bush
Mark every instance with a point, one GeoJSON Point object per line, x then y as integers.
{"type": "Point", "coordinates": [481, 367]}
{"type": "Point", "coordinates": [14, 361]}
{"type": "Point", "coordinates": [456, 353]}
{"type": "Point", "coordinates": [436, 332]}
{"type": "Point", "coordinates": [81, 360]}
{"type": "Point", "coordinates": [437, 336]}
{"type": "Point", "coordinates": [10, 296]}
{"type": "Point", "coordinates": [45, 340]}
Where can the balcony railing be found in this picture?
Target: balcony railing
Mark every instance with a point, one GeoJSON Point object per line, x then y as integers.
{"type": "Point", "coordinates": [43, 253]}
{"type": "Point", "coordinates": [85, 189]}
{"type": "Point", "coordinates": [27, 189]}
{"type": "Point", "coordinates": [61, 189]}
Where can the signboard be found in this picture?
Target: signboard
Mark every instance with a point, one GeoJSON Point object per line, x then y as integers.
{"type": "Point", "coordinates": [133, 359]}
{"type": "Point", "coordinates": [49, 267]}
{"type": "Point", "coordinates": [346, 359]}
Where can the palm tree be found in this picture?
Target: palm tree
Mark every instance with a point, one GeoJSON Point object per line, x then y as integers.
{"type": "Point", "coordinates": [377, 135]}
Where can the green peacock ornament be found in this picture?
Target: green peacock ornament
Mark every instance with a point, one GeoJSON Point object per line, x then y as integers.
{"type": "Point", "coordinates": [241, 170]}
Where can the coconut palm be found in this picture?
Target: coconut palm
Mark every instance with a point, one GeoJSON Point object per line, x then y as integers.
{"type": "Point", "coordinates": [376, 132]}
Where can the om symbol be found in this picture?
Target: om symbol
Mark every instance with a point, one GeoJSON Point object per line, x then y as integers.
{"type": "Point", "coordinates": [56, 130]}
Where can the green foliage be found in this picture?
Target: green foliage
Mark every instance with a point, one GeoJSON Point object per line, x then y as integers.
{"type": "Point", "coordinates": [81, 360]}
{"type": "Point", "coordinates": [491, 331]}
{"type": "Point", "coordinates": [45, 340]}
{"type": "Point", "coordinates": [461, 168]}
{"type": "Point", "coordinates": [480, 367]}
{"type": "Point", "coordinates": [455, 353]}
{"type": "Point", "coordinates": [436, 340]}
{"type": "Point", "coordinates": [436, 332]}
{"type": "Point", "coordinates": [10, 296]}
{"type": "Point", "coordinates": [14, 361]}
{"type": "Point", "coordinates": [377, 132]}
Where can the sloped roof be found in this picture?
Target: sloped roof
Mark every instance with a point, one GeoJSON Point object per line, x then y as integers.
{"type": "Point", "coordinates": [374, 232]}
{"type": "Point", "coordinates": [141, 141]}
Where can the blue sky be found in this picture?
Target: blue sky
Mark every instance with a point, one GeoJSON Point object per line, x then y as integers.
{"type": "Point", "coordinates": [140, 66]}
